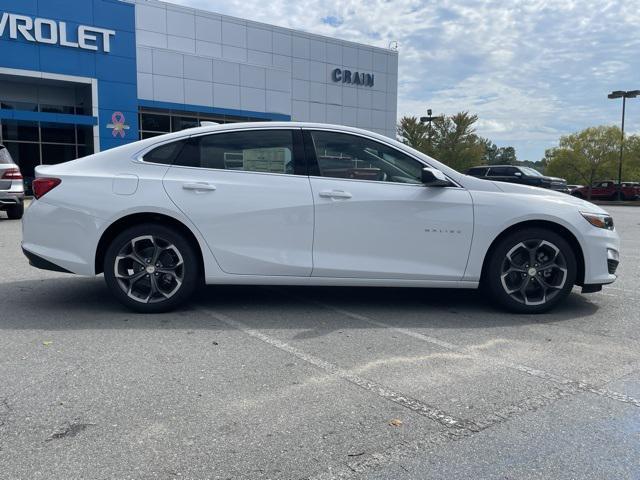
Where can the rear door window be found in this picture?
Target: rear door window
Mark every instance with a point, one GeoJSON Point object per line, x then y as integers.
{"type": "Point", "coordinates": [266, 151]}
{"type": "Point", "coordinates": [478, 172]}
{"type": "Point", "coordinates": [502, 172]}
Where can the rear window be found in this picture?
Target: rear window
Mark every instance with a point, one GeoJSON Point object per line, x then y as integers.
{"type": "Point", "coordinates": [165, 154]}
{"type": "Point", "coordinates": [5, 157]}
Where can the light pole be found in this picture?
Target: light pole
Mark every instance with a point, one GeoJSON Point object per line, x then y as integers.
{"type": "Point", "coordinates": [429, 119]}
{"type": "Point", "coordinates": [624, 95]}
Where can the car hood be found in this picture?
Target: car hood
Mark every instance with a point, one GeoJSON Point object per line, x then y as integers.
{"type": "Point", "coordinates": [558, 197]}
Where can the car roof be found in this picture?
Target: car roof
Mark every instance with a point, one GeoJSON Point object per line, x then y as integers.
{"type": "Point", "coordinates": [266, 124]}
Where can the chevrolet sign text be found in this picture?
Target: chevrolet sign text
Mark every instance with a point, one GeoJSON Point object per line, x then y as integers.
{"type": "Point", "coordinates": [43, 30]}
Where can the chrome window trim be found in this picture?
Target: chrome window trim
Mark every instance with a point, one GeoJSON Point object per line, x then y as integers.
{"type": "Point", "coordinates": [138, 156]}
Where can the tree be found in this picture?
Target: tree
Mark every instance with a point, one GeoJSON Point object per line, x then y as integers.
{"type": "Point", "coordinates": [452, 140]}
{"type": "Point", "coordinates": [413, 133]}
{"type": "Point", "coordinates": [494, 155]}
{"type": "Point", "coordinates": [586, 156]}
{"type": "Point", "coordinates": [491, 151]}
{"type": "Point", "coordinates": [507, 156]}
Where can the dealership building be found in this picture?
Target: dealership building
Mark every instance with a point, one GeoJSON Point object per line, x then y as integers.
{"type": "Point", "coordinates": [80, 76]}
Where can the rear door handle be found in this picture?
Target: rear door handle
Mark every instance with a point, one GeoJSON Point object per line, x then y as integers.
{"type": "Point", "coordinates": [199, 186]}
{"type": "Point", "coordinates": [334, 194]}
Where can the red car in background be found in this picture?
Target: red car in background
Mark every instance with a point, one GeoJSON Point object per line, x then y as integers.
{"type": "Point", "coordinates": [608, 190]}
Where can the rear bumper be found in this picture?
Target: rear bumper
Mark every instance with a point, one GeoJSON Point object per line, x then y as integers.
{"type": "Point", "coordinates": [9, 198]}
{"type": "Point", "coordinates": [60, 236]}
{"type": "Point", "coordinates": [41, 263]}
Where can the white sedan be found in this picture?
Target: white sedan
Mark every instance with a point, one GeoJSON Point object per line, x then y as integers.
{"type": "Point", "coordinates": [307, 204]}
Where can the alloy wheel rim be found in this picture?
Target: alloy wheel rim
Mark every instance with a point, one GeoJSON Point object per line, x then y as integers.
{"type": "Point", "coordinates": [534, 272]}
{"type": "Point", "coordinates": [149, 269]}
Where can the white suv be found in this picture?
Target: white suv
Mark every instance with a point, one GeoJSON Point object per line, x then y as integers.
{"type": "Point", "coordinates": [307, 204]}
{"type": "Point", "coordinates": [11, 186]}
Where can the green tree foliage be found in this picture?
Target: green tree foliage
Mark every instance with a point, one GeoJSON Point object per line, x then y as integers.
{"type": "Point", "coordinates": [494, 155]}
{"type": "Point", "coordinates": [592, 155]}
{"type": "Point", "coordinates": [413, 133]}
{"type": "Point", "coordinates": [452, 140]}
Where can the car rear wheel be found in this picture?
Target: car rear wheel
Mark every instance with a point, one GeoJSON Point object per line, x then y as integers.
{"type": "Point", "coordinates": [151, 268]}
{"type": "Point", "coordinates": [531, 271]}
{"type": "Point", "coordinates": [16, 212]}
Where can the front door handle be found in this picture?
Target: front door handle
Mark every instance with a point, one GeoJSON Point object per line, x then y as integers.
{"type": "Point", "coordinates": [334, 194]}
{"type": "Point", "coordinates": [199, 186]}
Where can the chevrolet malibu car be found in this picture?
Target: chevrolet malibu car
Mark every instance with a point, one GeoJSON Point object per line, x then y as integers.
{"type": "Point", "coordinates": [11, 186]}
{"type": "Point", "coordinates": [307, 204]}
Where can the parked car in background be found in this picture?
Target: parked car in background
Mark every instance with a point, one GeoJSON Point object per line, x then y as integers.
{"type": "Point", "coordinates": [288, 203]}
{"type": "Point", "coordinates": [574, 187]}
{"type": "Point", "coordinates": [608, 190]}
{"type": "Point", "coordinates": [11, 186]}
{"type": "Point", "coordinates": [522, 175]}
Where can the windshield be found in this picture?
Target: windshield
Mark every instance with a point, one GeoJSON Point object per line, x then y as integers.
{"type": "Point", "coordinates": [531, 171]}
{"type": "Point", "coordinates": [5, 157]}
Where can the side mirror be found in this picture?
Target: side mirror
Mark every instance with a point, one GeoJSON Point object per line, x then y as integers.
{"type": "Point", "coordinates": [518, 174]}
{"type": "Point", "coordinates": [434, 178]}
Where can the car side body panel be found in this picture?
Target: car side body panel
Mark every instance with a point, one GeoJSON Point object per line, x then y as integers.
{"type": "Point", "coordinates": [65, 226]}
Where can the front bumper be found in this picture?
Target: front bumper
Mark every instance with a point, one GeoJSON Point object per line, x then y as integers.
{"type": "Point", "coordinates": [601, 250]}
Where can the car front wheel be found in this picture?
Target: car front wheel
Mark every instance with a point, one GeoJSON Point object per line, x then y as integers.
{"type": "Point", "coordinates": [531, 271]}
{"type": "Point", "coordinates": [151, 268]}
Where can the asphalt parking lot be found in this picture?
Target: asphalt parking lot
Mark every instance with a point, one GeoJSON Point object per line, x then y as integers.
{"type": "Point", "coordinates": [280, 383]}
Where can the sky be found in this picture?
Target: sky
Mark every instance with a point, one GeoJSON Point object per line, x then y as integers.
{"type": "Point", "coordinates": [532, 70]}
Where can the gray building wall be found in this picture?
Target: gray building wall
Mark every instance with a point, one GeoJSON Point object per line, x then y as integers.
{"type": "Point", "coordinates": [195, 57]}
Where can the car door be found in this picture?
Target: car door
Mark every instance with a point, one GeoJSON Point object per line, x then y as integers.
{"type": "Point", "coordinates": [600, 189]}
{"type": "Point", "coordinates": [248, 194]}
{"type": "Point", "coordinates": [375, 219]}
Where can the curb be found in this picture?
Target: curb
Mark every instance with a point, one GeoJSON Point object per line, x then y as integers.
{"type": "Point", "coordinates": [617, 204]}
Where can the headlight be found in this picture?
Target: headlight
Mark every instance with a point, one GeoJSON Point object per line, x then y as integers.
{"type": "Point", "coordinates": [600, 220]}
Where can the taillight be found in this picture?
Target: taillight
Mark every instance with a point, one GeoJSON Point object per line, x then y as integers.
{"type": "Point", "coordinates": [12, 174]}
{"type": "Point", "coordinates": [42, 186]}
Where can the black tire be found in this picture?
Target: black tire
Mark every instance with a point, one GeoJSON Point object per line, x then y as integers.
{"type": "Point", "coordinates": [577, 194]}
{"type": "Point", "coordinates": [537, 290]}
{"type": "Point", "coordinates": [15, 212]}
{"type": "Point", "coordinates": [131, 250]}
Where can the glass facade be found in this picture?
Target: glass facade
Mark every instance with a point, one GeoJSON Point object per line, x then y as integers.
{"type": "Point", "coordinates": [40, 143]}
{"type": "Point", "coordinates": [33, 143]}
{"type": "Point", "coordinates": [158, 122]}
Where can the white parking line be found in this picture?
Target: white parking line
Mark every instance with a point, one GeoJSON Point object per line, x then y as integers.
{"type": "Point", "coordinates": [534, 372]}
{"type": "Point", "coordinates": [416, 406]}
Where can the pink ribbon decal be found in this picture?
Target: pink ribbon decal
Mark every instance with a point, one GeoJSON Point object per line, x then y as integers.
{"type": "Point", "coordinates": [117, 124]}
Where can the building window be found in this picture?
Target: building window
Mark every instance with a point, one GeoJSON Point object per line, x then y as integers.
{"type": "Point", "coordinates": [42, 143]}
{"type": "Point", "coordinates": [154, 122]}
